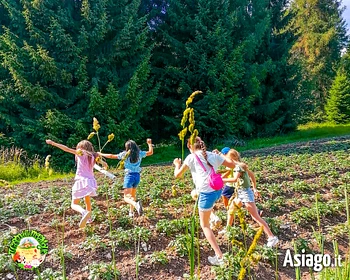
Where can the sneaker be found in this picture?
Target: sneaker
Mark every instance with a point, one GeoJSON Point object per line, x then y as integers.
{"type": "Point", "coordinates": [215, 260]}
{"type": "Point", "coordinates": [272, 241]}
{"type": "Point", "coordinates": [86, 215]}
{"type": "Point", "coordinates": [222, 232]}
{"type": "Point", "coordinates": [131, 214]}
{"type": "Point", "coordinates": [138, 207]}
{"type": "Point", "coordinates": [260, 212]}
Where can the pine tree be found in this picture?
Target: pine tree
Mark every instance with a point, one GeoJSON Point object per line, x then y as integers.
{"type": "Point", "coordinates": [338, 102]}
{"type": "Point", "coordinates": [65, 62]}
{"type": "Point", "coordinates": [236, 53]}
{"type": "Point", "coordinates": [321, 33]}
{"type": "Point", "coordinates": [276, 105]}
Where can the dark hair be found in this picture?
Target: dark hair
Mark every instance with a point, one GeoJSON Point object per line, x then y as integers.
{"type": "Point", "coordinates": [134, 150]}
{"type": "Point", "coordinates": [200, 145]}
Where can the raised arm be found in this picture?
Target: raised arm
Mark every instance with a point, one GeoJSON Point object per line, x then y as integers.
{"type": "Point", "coordinates": [252, 178]}
{"type": "Point", "coordinates": [150, 147]}
{"type": "Point", "coordinates": [61, 146]}
{"type": "Point", "coordinates": [111, 156]}
{"type": "Point", "coordinates": [233, 179]}
{"type": "Point", "coordinates": [179, 170]}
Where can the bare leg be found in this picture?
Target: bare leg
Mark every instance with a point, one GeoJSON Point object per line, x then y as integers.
{"type": "Point", "coordinates": [87, 203]}
{"type": "Point", "coordinates": [130, 197]}
{"type": "Point", "coordinates": [204, 217]}
{"type": "Point", "coordinates": [224, 200]}
{"type": "Point", "coordinates": [76, 207]}
{"type": "Point", "coordinates": [251, 207]}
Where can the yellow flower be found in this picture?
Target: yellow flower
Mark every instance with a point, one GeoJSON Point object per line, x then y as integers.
{"type": "Point", "coordinates": [110, 137]}
{"type": "Point", "coordinates": [80, 152]}
{"type": "Point", "coordinates": [185, 116]}
{"type": "Point", "coordinates": [242, 273]}
{"type": "Point", "coordinates": [191, 127]}
{"type": "Point", "coordinates": [183, 133]}
{"type": "Point", "coordinates": [173, 190]}
{"type": "Point", "coordinates": [47, 163]}
{"type": "Point", "coordinates": [121, 163]}
{"type": "Point", "coordinates": [91, 135]}
{"type": "Point", "coordinates": [96, 126]}
{"type": "Point", "coordinates": [193, 136]}
{"type": "Point", "coordinates": [190, 99]}
{"type": "Point", "coordinates": [191, 117]}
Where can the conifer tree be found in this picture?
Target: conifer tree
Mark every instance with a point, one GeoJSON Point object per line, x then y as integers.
{"type": "Point", "coordinates": [65, 62]}
{"type": "Point", "coordinates": [321, 33]}
{"type": "Point", "coordinates": [236, 53]}
{"type": "Point", "coordinates": [338, 102]}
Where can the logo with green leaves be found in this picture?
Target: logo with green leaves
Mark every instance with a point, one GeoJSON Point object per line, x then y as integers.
{"type": "Point", "coordinates": [28, 249]}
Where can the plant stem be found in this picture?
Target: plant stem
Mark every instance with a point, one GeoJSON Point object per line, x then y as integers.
{"type": "Point", "coordinates": [110, 236]}
{"type": "Point", "coordinates": [62, 250]}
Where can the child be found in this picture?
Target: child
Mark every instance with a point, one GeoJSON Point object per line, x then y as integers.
{"type": "Point", "coordinates": [85, 184]}
{"type": "Point", "coordinates": [229, 189]}
{"type": "Point", "coordinates": [206, 195]}
{"type": "Point", "coordinates": [132, 172]}
{"type": "Point", "coordinates": [246, 195]}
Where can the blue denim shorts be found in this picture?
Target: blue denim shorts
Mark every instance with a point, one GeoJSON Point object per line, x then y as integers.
{"type": "Point", "coordinates": [228, 191]}
{"type": "Point", "coordinates": [131, 180]}
{"type": "Point", "coordinates": [245, 195]}
{"type": "Point", "coordinates": [206, 200]}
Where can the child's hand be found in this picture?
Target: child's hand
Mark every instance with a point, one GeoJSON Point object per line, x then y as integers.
{"type": "Point", "coordinates": [257, 193]}
{"type": "Point", "coordinates": [149, 141]}
{"type": "Point", "coordinates": [177, 162]}
{"type": "Point", "coordinates": [49, 142]}
{"type": "Point", "coordinates": [216, 151]}
{"type": "Point", "coordinates": [194, 194]}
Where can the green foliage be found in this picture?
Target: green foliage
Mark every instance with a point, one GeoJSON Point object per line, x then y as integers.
{"type": "Point", "coordinates": [49, 274]}
{"type": "Point", "coordinates": [102, 271]}
{"type": "Point", "coordinates": [338, 103]}
{"type": "Point", "coordinates": [321, 35]}
{"type": "Point", "coordinates": [239, 61]}
{"type": "Point", "coordinates": [64, 62]}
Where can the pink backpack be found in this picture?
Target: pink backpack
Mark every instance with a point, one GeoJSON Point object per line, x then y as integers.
{"type": "Point", "coordinates": [215, 181]}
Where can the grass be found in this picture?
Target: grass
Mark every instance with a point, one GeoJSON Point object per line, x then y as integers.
{"type": "Point", "coordinates": [311, 131]}
{"type": "Point", "coordinates": [305, 132]}
{"type": "Point", "coordinates": [14, 172]}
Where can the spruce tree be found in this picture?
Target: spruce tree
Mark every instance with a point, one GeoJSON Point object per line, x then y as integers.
{"type": "Point", "coordinates": [65, 62]}
{"type": "Point", "coordinates": [237, 54]}
{"type": "Point", "coordinates": [321, 33]}
{"type": "Point", "coordinates": [338, 102]}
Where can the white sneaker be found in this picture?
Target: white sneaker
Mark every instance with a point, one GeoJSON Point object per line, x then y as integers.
{"type": "Point", "coordinates": [272, 241]}
{"type": "Point", "coordinates": [131, 214]}
{"type": "Point", "coordinates": [86, 215]}
{"type": "Point", "coordinates": [138, 208]}
{"type": "Point", "coordinates": [222, 232]}
{"type": "Point", "coordinates": [215, 260]}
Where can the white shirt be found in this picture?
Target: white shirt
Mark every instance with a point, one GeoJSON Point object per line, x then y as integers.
{"type": "Point", "coordinates": [199, 176]}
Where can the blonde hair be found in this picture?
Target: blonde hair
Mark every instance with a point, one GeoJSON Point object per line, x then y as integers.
{"type": "Point", "coordinates": [234, 155]}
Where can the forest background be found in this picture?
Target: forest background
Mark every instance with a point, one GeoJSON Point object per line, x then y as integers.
{"type": "Point", "coordinates": [263, 67]}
